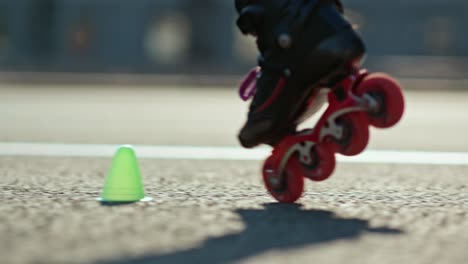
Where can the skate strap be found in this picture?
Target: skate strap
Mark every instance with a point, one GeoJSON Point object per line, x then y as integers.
{"type": "Point", "coordinates": [249, 84]}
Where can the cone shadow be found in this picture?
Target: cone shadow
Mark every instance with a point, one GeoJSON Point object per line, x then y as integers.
{"type": "Point", "coordinates": [111, 204]}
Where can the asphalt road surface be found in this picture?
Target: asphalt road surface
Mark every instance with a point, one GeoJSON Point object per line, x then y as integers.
{"type": "Point", "coordinates": [213, 211]}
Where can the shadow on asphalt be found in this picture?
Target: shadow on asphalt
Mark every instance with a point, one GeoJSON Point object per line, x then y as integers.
{"type": "Point", "coordinates": [277, 227]}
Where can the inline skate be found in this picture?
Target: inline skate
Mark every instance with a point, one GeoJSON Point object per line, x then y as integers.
{"type": "Point", "coordinates": [355, 102]}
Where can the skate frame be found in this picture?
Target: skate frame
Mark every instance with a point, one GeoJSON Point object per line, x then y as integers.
{"type": "Point", "coordinates": [341, 101]}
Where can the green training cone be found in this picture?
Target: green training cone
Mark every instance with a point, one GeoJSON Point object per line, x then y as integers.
{"type": "Point", "coordinates": [124, 183]}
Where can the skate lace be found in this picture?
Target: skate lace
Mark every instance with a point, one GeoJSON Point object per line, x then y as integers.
{"type": "Point", "coordinates": [248, 85]}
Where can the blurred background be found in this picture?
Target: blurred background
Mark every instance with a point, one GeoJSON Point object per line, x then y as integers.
{"type": "Point", "coordinates": [419, 38]}
{"type": "Point", "coordinates": [94, 73]}
{"type": "Point", "coordinates": [166, 71]}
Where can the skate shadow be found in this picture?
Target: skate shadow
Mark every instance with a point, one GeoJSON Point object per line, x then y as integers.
{"type": "Point", "coordinates": [277, 227]}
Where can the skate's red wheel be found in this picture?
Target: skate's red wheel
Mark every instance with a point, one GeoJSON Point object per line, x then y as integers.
{"type": "Point", "coordinates": [287, 188]}
{"type": "Point", "coordinates": [355, 136]}
{"type": "Point", "coordinates": [386, 91]}
{"type": "Point", "coordinates": [322, 164]}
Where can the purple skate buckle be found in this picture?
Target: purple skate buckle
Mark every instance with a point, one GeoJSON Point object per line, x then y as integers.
{"type": "Point", "coordinates": [249, 84]}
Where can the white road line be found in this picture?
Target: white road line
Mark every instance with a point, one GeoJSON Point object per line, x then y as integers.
{"type": "Point", "coordinates": [222, 153]}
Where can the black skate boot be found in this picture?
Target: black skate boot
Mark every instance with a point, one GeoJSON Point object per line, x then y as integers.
{"type": "Point", "coordinates": [303, 44]}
